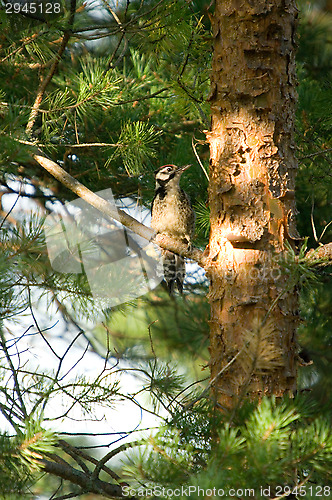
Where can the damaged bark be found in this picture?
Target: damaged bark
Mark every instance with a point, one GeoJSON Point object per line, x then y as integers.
{"type": "Point", "coordinates": [254, 310]}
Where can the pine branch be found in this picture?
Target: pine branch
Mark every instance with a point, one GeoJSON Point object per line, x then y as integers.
{"type": "Point", "coordinates": [44, 83]}
{"type": "Point", "coordinates": [76, 453]}
{"type": "Point", "coordinates": [311, 155]}
{"type": "Point", "coordinates": [321, 256]}
{"type": "Point", "coordinates": [84, 480]}
{"type": "Point", "coordinates": [24, 42]}
{"type": "Point", "coordinates": [111, 454]}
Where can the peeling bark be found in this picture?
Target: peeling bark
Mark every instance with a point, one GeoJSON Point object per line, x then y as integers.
{"type": "Point", "coordinates": [251, 192]}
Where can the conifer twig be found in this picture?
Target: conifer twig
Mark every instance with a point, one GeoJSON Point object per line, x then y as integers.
{"type": "Point", "coordinates": [44, 83]}
{"type": "Point", "coordinates": [311, 155]}
{"type": "Point", "coordinates": [24, 42]}
{"type": "Point", "coordinates": [73, 494]}
{"type": "Point", "coordinates": [297, 487]}
{"type": "Point", "coordinates": [323, 255]}
{"type": "Point", "coordinates": [92, 198]}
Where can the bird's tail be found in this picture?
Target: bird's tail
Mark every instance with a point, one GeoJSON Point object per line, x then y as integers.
{"type": "Point", "coordinates": [174, 271]}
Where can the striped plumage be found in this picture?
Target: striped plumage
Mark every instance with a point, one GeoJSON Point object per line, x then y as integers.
{"type": "Point", "coordinates": [173, 215]}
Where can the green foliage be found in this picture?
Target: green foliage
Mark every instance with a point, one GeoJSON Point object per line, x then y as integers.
{"type": "Point", "coordinates": [267, 448]}
{"type": "Point", "coordinates": [137, 143]}
{"type": "Point", "coordinates": [20, 457]}
{"type": "Point", "coordinates": [163, 383]}
{"type": "Point", "coordinates": [165, 456]}
{"type": "Point", "coordinates": [92, 87]}
{"type": "Point", "coordinates": [314, 121]}
{"type": "Point", "coordinates": [34, 442]}
{"type": "Point", "coordinates": [87, 101]}
{"type": "Point", "coordinates": [202, 217]}
{"type": "Point", "coordinates": [25, 266]}
{"type": "Point", "coordinates": [300, 271]}
{"type": "Point", "coordinates": [14, 474]}
{"type": "Point", "coordinates": [178, 330]}
{"type": "Point", "coordinates": [315, 335]}
{"type": "Point", "coordinates": [314, 187]}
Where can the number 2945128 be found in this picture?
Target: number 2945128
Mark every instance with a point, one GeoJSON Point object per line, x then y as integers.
{"type": "Point", "coordinates": [33, 8]}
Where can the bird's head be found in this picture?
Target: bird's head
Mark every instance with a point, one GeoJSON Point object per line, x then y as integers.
{"type": "Point", "coordinates": [166, 173]}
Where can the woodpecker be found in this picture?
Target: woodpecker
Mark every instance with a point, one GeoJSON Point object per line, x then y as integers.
{"type": "Point", "coordinates": [172, 214]}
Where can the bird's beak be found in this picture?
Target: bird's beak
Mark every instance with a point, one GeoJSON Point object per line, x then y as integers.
{"type": "Point", "coordinates": [182, 169]}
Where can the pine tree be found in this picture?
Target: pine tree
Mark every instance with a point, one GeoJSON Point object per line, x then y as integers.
{"type": "Point", "coordinates": [108, 98]}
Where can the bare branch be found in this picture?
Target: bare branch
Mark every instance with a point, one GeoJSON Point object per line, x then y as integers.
{"type": "Point", "coordinates": [322, 152]}
{"type": "Point", "coordinates": [75, 453]}
{"type": "Point", "coordinates": [21, 407]}
{"type": "Point", "coordinates": [81, 479]}
{"type": "Point", "coordinates": [110, 455]}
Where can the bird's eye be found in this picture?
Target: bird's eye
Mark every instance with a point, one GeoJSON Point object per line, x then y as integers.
{"type": "Point", "coordinates": [169, 169]}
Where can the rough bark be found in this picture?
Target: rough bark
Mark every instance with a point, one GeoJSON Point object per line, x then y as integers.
{"type": "Point", "coordinates": [252, 180]}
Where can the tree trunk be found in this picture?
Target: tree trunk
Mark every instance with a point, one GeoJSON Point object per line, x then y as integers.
{"type": "Point", "coordinates": [254, 308]}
